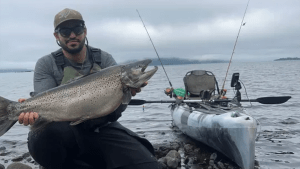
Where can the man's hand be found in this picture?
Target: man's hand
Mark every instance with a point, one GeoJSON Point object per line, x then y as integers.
{"type": "Point", "coordinates": [134, 91]}
{"type": "Point", "coordinates": [27, 118]}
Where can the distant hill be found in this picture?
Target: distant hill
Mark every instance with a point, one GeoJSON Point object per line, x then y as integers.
{"type": "Point", "coordinates": [14, 70]}
{"type": "Point", "coordinates": [288, 58]}
{"type": "Point", "coordinates": [179, 61]}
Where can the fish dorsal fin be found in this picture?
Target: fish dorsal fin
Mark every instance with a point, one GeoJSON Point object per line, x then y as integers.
{"type": "Point", "coordinates": [78, 121]}
{"type": "Point", "coordinates": [69, 73]}
{"type": "Point", "coordinates": [96, 68]}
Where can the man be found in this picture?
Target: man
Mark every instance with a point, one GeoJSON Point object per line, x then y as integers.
{"type": "Point", "coordinates": [99, 143]}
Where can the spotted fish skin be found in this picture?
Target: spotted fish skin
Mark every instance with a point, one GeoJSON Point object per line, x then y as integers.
{"type": "Point", "coordinates": [89, 97]}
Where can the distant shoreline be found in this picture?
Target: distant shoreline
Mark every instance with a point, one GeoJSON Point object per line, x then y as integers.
{"type": "Point", "coordinates": [14, 70]}
{"type": "Point", "coordinates": [288, 58]}
{"type": "Point", "coordinates": [179, 61]}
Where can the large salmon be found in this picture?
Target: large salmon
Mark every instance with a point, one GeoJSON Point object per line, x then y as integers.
{"type": "Point", "coordinates": [84, 98]}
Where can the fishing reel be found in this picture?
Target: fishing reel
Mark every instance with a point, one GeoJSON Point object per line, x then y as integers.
{"type": "Point", "coordinates": [237, 85]}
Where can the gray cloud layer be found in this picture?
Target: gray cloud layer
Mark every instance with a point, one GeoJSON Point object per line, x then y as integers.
{"type": "Point", "coordinates": [186, 29]}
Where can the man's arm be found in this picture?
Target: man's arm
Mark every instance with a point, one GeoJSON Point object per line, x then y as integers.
{"type": "Point", "coordinates": [43, 75]}
{"type": "Point", "coordinates": [43, 80]}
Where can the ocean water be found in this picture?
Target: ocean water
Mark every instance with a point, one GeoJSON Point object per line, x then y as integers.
{"type": "Point", "coordinates": [278, 145]}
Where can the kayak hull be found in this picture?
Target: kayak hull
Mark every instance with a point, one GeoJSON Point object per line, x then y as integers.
{"type": "Point", "coordinates": [231, 132]}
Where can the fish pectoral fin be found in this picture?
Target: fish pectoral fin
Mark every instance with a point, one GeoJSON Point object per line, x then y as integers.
{"type": "Point", "coordinates": [73, 123]}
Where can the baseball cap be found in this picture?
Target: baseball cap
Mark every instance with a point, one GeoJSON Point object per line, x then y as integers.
{"type": "Point", "coordinates": [65, 15]}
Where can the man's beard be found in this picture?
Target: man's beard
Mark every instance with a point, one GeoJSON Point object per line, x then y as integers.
{"type": "Point", "coordinates": [73, 51]}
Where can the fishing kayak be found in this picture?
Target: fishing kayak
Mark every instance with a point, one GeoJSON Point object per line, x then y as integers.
{"type": "Point", "coordinates": [230, 130]}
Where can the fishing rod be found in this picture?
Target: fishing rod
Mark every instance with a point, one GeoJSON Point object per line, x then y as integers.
{"type": "Point", "coordinates": [155, 49]}
{"type": "Point", "coordinates": [242, 24]}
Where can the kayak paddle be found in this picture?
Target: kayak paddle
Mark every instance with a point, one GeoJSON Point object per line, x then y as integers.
{"type": "Point", "coordinates": [262, 100]}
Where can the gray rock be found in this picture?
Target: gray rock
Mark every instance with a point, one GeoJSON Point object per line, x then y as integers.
{"type": "Point", "coordinates": [18, 158]}
{"type": "Point", "coordinates": [213, 156]}
{"type": "Point", "coordinates": [29, 159]}
{"type": "Point", "coordinates": [174, 154]}
{"type": "Point", "coordinates": [230, 167]}
{"type": "Point", "coordinates": [174, 146]}
{"type": "Point", "coordinates": [209, 167]}
{"type": "Point", "coordinates": [163, 160]}
{"type": "Point", "coordinates": [256, 163]}
{"type": "Point", "coordinates": [4, 153]}
{"type": "Point", "coordinates": [186, 160]}
{"type": "Point", "coordinates": [25, 155]}
{"type": "Point", "coordinates": [162, 165]}
{"type": "Point", "coordinates": [188, 148]}
{"type": "Point", "coordinates": [197, 150]}
{"type": "Point", "coordinates": [172, 162]}
{"type": "Point", "coordinates": [18, 166]}
{"type": "Point", "coordinates": [215, 166]}
{"type": "Point", "coordinates": [2, 166]}
{"type": "Point", "coordinates": [221, 165]}
{"type": "Point", "coordinates": [2, 148]}
{"type": "Point", "coordinates": [211, 162]}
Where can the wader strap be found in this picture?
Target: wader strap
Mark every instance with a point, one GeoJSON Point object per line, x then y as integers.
{"type": "Point", "coordinates": [59, 58]}
{"type": "Point", "coordinates": [94, 57]}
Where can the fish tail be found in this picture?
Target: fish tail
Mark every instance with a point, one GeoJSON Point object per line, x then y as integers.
{"type": "Point", "coordinates": [5, 123]}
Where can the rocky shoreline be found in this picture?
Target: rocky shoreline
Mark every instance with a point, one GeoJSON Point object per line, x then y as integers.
{"type": "Point", "coordinates": [173, 150]}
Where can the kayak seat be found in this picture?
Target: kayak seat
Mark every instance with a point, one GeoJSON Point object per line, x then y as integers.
{"type": "Point", "coordinates": [200, 84]}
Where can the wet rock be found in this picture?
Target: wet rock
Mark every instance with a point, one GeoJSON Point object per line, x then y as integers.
{"type": "Point", "coordinates": [172, 162]}
{"type": "Point", "coordinates": [18, 166]}
{"type": "Point", "coordinates": [2, 166]}
{"type": "Point", "coordinates": [197, 150]}
{"type": "Point", "coordinates": [221, 165]}
{"type": "Point", "coordinates": [29, 159]}
{"type": "Point", "coordinates": [25, 155]}
{"type": "Point", "coordinates": [4, 153]}
{"type": "Point", "coordinates": [174, 146]}
{"type": "Point", "coordinates": [213, 156]}
{"type": "Point", "coordinates": [230, 167]}
{"type": "Point", "coordinates": [2, 148]}
{"type": "Point", "coordinates": [209, 167]}
{"type": "Point", "coordinates": [162, 160]}
{"type": "Point", "coordinates": [211, 162]}
{"type": "Point", "coordinates": [173, 154]}
{"type": "Point", "coordinates": [256, 163]}
{"type": "Point", "coordinates": [188, 148]}
{"type": "Point", "coordinates": [186, 160]}
{"type": "Point", "coordinates": [162, 165]}
{"type": "Point", "coordinates": [5, 161]}
{"type": "Point", "coordinates": [215, 166]}
{"type": "Point", "coordinates": [18, 158]}
{"type": "Point", "coordinates": [169, 161]}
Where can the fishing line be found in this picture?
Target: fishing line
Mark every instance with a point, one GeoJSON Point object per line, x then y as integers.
{"type": "Point", "coordinates": [258, 123]}
{"type": "Point", "coordinates": [154, 48]}
{"type": "Point", "coordinates": [246, 92]}
{"type": "Point", "coordinates": [242, 24]}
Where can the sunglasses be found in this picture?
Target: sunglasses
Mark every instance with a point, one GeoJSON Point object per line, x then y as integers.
{"type": "Point", "coordinates": [66, 32]}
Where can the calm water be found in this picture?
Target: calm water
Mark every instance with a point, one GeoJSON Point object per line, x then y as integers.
{"type": "Point", "coordinates": [279, 142]}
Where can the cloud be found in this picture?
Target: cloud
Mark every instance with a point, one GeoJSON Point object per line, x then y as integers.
{"type": "Point", "coordinates": [185, 29]}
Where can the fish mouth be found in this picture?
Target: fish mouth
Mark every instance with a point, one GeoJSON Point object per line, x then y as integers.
{"type": "Point", "coordinates": [145, 75]}
{"type": "Point", "coordinates": [137, 74]}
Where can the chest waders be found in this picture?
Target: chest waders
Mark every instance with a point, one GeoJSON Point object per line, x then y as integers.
{"type": "Point", "coordinates": [71, 73]}
{"type": "Point", "coordinates": [94, 56]}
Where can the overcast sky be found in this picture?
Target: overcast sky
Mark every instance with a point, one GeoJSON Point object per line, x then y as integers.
{"type": "Point", "coordinates": [194, 29]}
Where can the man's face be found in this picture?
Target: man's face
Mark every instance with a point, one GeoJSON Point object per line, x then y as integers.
{"type": "Point", "coordinates": [71, 42]}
